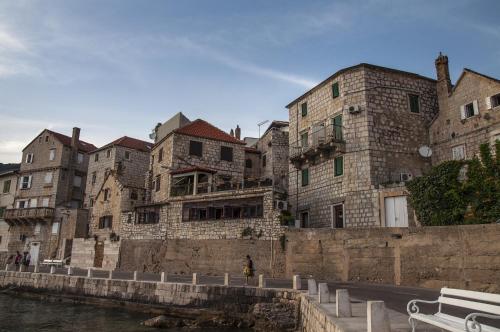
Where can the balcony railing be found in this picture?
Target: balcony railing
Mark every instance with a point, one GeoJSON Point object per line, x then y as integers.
{"type": "Point", "coordinates": [318, 139]}
{"type": "Point", "coordinates": [203, 188]}
{"type": "Point", "coordinates": [33, 214]}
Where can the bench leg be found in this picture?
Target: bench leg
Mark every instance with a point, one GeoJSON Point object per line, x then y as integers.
{"type": "Point", "coordinates": [413, 324]}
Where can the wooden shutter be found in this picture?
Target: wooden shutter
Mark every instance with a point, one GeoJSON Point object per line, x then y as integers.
{"type": "Point", "coordinates": [335, 90]}
{"type": "Point", "coordinates": [29, 181]}
{"type": "Point", "coordinates": [476, 107]}
{"type": "Point", "coordinates": [488, 103]}
{"type": "Point", "coordinates": [462, 112]}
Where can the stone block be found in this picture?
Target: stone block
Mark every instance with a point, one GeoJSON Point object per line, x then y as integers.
{"type": "Point", "coordinates": [312, 287]}
{"type": "Point", "coordinates": [324, 293]}
{"type": "Point", "coordinates": [377, 317]}
{"type": "Point", "coordinates": [135, 276]}
{"type": "Point", "coordinates": [110, 275]}
{"type": "Point", "coordinates": [262, 281]}
{"type": "Point", "coordinates": [52, 270]}
{"type": "Point", "coordinates": [90, 273]}
{"type": "Point", "coordinates": [163, 277]}
{"type": "Point", "coordinates": [227, 279]}
{"type": "Point", "coordinates": [297, 282]}
{"type": "Point", "coordinates": [195, 279]}
{"type": "Point", "coordinates": [343, 303]}
{"type": "Point", "coordinates": [70, 270]}
{"type": "Point", "coordinates": [37, 269]}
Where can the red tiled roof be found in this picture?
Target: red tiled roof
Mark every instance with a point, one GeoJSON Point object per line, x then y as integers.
{"type": "Point", "coordinates": [203, 129]}
{"type": "Point", "coordinates": [192, 169]}
{"type": "Point", "coordinates": [66, 140]}
{"type": "Point", "coordinates": [131, 143]}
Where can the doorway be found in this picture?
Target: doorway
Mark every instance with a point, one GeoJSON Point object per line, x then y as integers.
{"type": "Point", "coordinates": [396, 211]}
{"type": "Point", "coordinates": [34, 251]}
{"type": "Point", "coordinates": [338, 216]}
{"type": "Point", "coordinates": [304, 219]}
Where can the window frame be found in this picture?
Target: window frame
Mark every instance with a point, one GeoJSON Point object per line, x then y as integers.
{"type": "Point", "coordinates": [193, 146]}
{"type": "Point", "coordinates": [127, 155]}
{"type": "Point", "coordinates": [335, 90]}
{"type": "Point", "coordinates": [303, 109]}
{"type": "Point", "coordinates": [6, 186]}
{"type": "Point", "coordinates": [160, 155]}
{"type": "Point", "coordinates": [29, 158]}
{"type": "Point", "coordinates": [52, 154]}
{"type": "Point", "coordinates": [248, 163]}
{"type": "Point", "coordinates": [304, 174]}
{"type": "Point", "coordinates": [411, 101]}
{"type": "Point", "coordinates": [229, 151]}
{"type": "Point", "coordinates": [456, 148]}
{"type": "Point", "coordinates": [96, 157]}
{"type": "Point", "coordinates": [157, 183]}
{"type": "Point", "coordinates": [336, 172]}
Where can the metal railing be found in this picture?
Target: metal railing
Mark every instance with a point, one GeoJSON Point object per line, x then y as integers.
{"type": "Point", "coordinates": [204, 188]}
{"type": "Point", "coordinates": [319, 136]}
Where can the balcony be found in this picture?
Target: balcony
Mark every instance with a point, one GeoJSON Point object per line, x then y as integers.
{"type": "Point", "coordinates": [320, 141]}
{"type": "Point", "coordinates": [28, 215]}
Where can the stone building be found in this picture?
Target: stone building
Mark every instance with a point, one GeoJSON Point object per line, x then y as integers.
{"type": "Point", "coordinates": [469, 113]}
{"type": "Point", "coordinates": [47, 212]}
{"type": "Point", "coordinates": [354, 141]}
{"type": "Point", "coordinates": [8, 186]}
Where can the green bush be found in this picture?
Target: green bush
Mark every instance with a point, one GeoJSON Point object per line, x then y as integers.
{"type": "Point", "coordinates": [440, 197]}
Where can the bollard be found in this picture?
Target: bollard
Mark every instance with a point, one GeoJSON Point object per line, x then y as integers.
{"type": "Point", "coordinates": [7, 267]}
{"type": "Point", "coordinates": [262, 281]}
{"type": "Point", "coordinates": [110, 275]}
{"type": "Point", "coordinates": [227, 279]}
{"type": "Point", "coordinates": [312, 287]}
{"type": "Point", "coordinates": [90, 273]}
{"type": "Point", "coordinates": [163, 277]}
{"type": "Point", "coordinates": [135, 275]}
{"type": "Point", "coordinates": [37, 268]}
{"type": "Point", "coordinates": [324, 293]}
{"type": "Point", "coordinates": [377, 317]}
{"type": "Point", "coordinates": [70, 270]}
{"type": "Point", "coordinates": [297, 282]}
{"type": "Point", "coordinates": [21, 268]}
{"type": "Point", "coordinates": [343, 303]}
{"type": "Point", "coordinates": [52, 269]}
{"type": "Point", "coordinates": [195, 279]}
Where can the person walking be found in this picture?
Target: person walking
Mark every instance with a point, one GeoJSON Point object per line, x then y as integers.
{"type": "Point", "coordinates": [248, 270]}
{"type": "Point", "coordinates": [18, 259]}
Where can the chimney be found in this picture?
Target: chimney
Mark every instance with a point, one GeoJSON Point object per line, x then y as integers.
{"type": "Point", "coordinates": [443, 75]}
{"type": "Point", "coordinates": [75, 138]}
{"type": "Point", "coordinates": [231, 132]}
{"type": "Point", "coordinates": [237, 132]}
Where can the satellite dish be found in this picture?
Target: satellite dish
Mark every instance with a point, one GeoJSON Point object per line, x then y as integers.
{"type": "Point", "coordinates": [152, 135]}
{"type": "Point", "coordinates": [425, 151]}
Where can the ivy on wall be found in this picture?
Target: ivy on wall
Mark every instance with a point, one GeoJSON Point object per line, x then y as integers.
{"type": "Point", "coordinates": [445, 197]}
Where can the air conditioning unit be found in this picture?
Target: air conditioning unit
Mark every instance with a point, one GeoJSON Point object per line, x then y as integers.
{"type": "Point", "coordinates": [404, 177]}
{"type": "Point", "coordinates": [280, 205]}
{"type": "Point", "coordinates": [355, 109]}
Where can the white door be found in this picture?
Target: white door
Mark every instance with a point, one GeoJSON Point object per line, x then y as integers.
{"type": "Point", "coordinates": [34, 250]}
{"type": "Point", "coordinates": [396, 212]}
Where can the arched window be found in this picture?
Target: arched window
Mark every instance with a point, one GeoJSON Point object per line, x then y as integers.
{"type": "Point", "coordinates": [248, 163]}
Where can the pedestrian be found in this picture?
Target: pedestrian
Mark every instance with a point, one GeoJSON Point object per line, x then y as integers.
{"type": "Point", "coordinates": [248, 270]}
{"type": "Point", "coordinates": [18, 259]}
{"type": "Point", "coordinates": [26, 259]}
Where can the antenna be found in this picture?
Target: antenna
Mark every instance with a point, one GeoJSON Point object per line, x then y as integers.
{"type": "Point", "coordinates": [260, 124]}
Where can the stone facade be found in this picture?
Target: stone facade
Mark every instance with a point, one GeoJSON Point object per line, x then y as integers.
{"type": "Point", "coordinates": [8, 187]}
{"type": "Point", "coordinates": [50, 191]}
{"type": "Point", "coordinates": [452, 131]}
{"type": "Point", "coordinates": [366, 129]}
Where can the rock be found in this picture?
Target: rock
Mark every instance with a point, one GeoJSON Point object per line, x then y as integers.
{"type": "Point", "coordinates": [159, 321]}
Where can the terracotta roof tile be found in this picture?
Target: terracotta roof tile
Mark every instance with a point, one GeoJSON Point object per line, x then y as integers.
{"type": "Point", "coordinates": [131, 143]}
{"type": "Point", "coordinates": [66, 140]}
{"type": "Point", "coordinates": [203, 129]}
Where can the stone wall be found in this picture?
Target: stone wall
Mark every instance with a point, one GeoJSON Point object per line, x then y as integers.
{"type": "Point", "coordinates": [83, 253]}
{"type": "Point", "coordinates": [466, 257]}
{"type": "Point", "coordinates": [313, 318]}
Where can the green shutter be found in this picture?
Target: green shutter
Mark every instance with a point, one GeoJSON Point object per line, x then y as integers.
{"type": "Point", "coordinates": [305, 177]}
{"type": "Point", "coordinates": [335, 90]}
{"type": "Point", "coordinates": [414, 104]}
{"type": "Point", "coordinates": [304, 109]}
{"type": "Point", "coordinates": [339, 166]}
{"type": "Point", "coordinates": [337, 127]}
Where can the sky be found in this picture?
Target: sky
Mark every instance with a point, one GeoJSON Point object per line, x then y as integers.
{"type": "Point", "coordinates": [118, 67]}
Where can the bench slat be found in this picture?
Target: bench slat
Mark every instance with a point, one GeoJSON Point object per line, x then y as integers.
{"type": "Point", "coordinates": [474, 306]}
{"type": "Point", "coordinates": [449, 323]}
{"type": "Point", "coordinates": [487, 297]}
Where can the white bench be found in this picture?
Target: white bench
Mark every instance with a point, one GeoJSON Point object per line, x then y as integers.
{"type": "Point", "coordinates": [481, 305]}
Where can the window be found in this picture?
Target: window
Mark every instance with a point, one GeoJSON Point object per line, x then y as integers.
{"type": "Point", "coordinates": [264, 160]}
{"type": "Point", "coordinates": [158, 183]}
{"type": "Point", "coordinates": [45, 202]}
{"type": "Point", "coordinates": [6, 186]}
{"type": "Point", "coordinates": [48, 177]}
{"type": "Point", "coordinates": [414, 103]}
{"type": "Point", "coordinates": [108, 153]}
{"type": "Point", "coordinates": [52, 154]}
{"type": "Point", "coordinates": [148, 216]}
{"type": "Point", "coordinates": [495, 100]}
{"type": "Point", "coordinates": [46, 138]}
{"type": "Point", "coordinates": [160, 155]}
{"type": "Point", "coordinates": [33, 203]}
{"type": "Point", "coordinates": [304, 139]}
{"type": "Point", "coordinates": [337, 128]}
{"type": "Point", "coordinates": [94, 177]}
{"type": "Point", "coordinates": [248, 163]}
{"type": "Point", "coordinates": [79, 158]}
{"type": "Point", "coordinates": [106, 194]}
{"type": "Point", "coordinates": [305, 177]}
{"type": "Point", "coordinates": [55, 228]}
{"type": "Point", "coordinates": [91, 202]}
{"type": "Point", "coordinates": [303, 108]}
{"type": "Point", "coordinates": [25, 182]}
{"type": "Point", "coordinates": [29, 158]}
{"type": "Point", "coordinates": [195, 148]}
{"type": "Point", "coordinates": [458, 152]}
{"type": "Point", "coordinates": [22, 204]}
{"type": "Point", "coordinates": [338, 166]}
{"type": "Point", "coordinates": [77, 181]}
{"type": "Point", "coordinates": [2, 211]}
{"type": "Point", "coordinates": [38, 227]}
{"type": "Point", "coordinates": [133, 195]}
{"type": "Point", "coordinates": [469, 110]}
{"type": "Point", "coordinates": [105, 222]}
{"type": "Point", "coordinates": [226, 153]}
{"type": "Point", "coordinates": [96, 157]}
{"type": "Point", "coordinates": [227, 209]}
{"type": "Point", "coordinates": [127, 155]}
{"type": "Point", "coordinates": [335, 90]}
